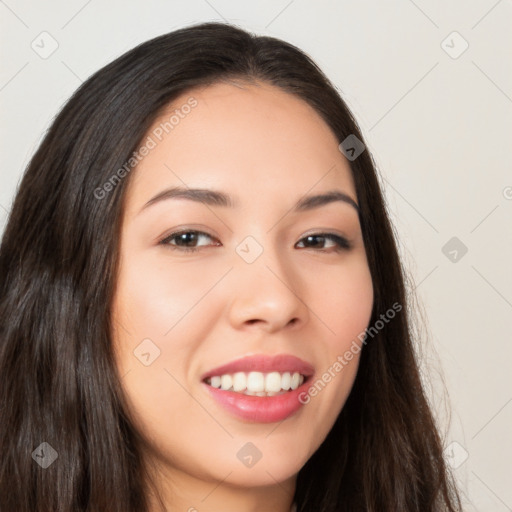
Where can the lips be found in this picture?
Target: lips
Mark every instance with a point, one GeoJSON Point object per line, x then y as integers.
{"type": "Point", "coordinates": [264, 364]}
{"type": "Point", "coordinates": [265, 407]}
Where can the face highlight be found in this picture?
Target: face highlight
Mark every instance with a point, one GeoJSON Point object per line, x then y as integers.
{"type": "Point", "coordinates": [223, 257]}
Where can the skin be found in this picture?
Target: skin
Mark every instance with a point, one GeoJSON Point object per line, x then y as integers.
{"type": "Point", "coordinates": [267, 149]}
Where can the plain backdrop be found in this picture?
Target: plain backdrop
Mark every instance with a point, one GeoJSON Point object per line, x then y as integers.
{"type": "Point", "coordinates": [430, 83]}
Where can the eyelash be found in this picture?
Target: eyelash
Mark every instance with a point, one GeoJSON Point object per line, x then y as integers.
{"type": "Point", "coordinates": [342, 243]}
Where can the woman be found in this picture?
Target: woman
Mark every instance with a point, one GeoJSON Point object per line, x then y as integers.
{"type": "Point", "coordinates": [270, 368]}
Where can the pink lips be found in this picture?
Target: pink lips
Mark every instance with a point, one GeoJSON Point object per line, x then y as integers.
{"type": "Point", "coordinates": [265, 364]}
{"type": "Point", "coordinates": [265, 409]}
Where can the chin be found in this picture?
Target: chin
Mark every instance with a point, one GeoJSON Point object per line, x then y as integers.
{"type": "Point", "coordinates": [268, 470]}
{"type": "Point", "coordinates": [263, 476]}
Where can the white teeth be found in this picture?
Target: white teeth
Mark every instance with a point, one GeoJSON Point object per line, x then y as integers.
{"type": "Point", "coordinates": [257, 383]}
{"type": "Point", "coordinates": [239, 381]}
{"type": "Point", "coordinates": [273, 382]}
{"type": "Point", "coordinates": [255, 393]}
{"type": "Point", "coordinates": [286, 381]}
{"type": "Point", "coordinates": [295, 381]}
{"type": "Point", "coordinates": [226, 382]}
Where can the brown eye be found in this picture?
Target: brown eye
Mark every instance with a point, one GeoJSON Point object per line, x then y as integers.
{"type": "Point", "coordinates": [183, 239]}
{"type": "Point", "coordinates": [340, 243]}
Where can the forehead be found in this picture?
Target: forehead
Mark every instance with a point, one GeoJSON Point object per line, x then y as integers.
{"type": "Point", "coordinates": [248, 139]}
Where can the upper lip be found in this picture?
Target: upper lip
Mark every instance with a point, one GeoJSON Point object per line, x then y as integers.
{"type": "Point", "coordinates": [265, 364]}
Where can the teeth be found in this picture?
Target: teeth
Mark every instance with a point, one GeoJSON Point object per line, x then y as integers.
{"type": "Point", "coordinates": [257, 383]}
{"type": "Point", "coordinates": [216, 382]}
{"type": "Point", "coordinates": [239, 381]}
{"type": "Point", "coordinates": [295, 381]}
{"type": "Point", "coordinates": [226, 381]}
{"type": "Point", "coordinates": [273, 382]}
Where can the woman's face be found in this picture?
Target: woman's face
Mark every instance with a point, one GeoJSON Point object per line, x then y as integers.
{"type": "Point", "coordinates": [258, 284]}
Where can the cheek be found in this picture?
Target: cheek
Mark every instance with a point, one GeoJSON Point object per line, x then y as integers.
{"type": "Point", "coordinates": [151, 314]}
{"type": "Point", "coordinates": [162, 310]}
{"type": "Point", "coordinates": [152, 298]}
{"type": "Point", "coordinates": [345, 303]}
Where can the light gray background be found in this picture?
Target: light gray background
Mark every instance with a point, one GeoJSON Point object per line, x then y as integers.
{"type": "Point", "coordinates": [439, 125]}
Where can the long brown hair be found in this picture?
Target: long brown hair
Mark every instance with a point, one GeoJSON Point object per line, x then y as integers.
{"type": "Point", "coordinates": [58, 264]}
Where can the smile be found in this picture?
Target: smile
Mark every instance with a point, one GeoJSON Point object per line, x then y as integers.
{"type": "Point", "coordinates": [257, 383]}
{"type": "Point", "coordinates": [261, 389]}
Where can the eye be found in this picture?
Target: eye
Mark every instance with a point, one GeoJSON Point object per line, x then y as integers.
{"type": "Point", "coordinates": [180, 240]}
{"type": "Point", "coordinates": [340, 243]}
{"type": "Point", "coordinates": [184, 237]}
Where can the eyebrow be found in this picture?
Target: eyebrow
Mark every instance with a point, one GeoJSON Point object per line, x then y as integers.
{"type": "Point", "coordinates": [218, 198]}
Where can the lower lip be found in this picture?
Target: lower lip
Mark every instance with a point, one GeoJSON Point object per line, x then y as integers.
{"type": "Point", "coordinates": [260, 409]}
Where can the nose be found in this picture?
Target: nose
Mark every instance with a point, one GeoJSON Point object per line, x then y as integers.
{"type": "Point", "coordinates": [267, 295]}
